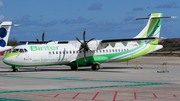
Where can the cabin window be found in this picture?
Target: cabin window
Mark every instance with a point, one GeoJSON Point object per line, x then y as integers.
{"type": "Point", "coordinates": [124, 49]}
{"type": "Point", "coordinates": [97, 51]}
{"type": "Point", "coordinates": [59, 52]}
{"type": "Point", "coordinates": [53, 52]}
{"type": "Point", "coordinates": [56, 52]}
{"type": "Point", "coordinates": [121, 50]}
{"type": "Point", "coordinates": [77, 51]}
{"type": "Point", "coordinates": [106, 50]}
{"type": "Point", "coordinates": [66, 52]}
{"type": "Point", "coordinates": [127, 49]}
{"type": "Point", "coordinates": [109, 50]}
{"type": "Point", "coordinates": [63, 52]}
{"type": "Point", "coordinates": [49, 52]}
{"type": "Point", "coordinates": [112, 50]}
{"type": "Point", "coordinates": [103, 51]}
{"type": "Point", "coordinates": [74, 52]}
{"type": "Point", "coordinates": [116, 50]}
{"type": "Point", "coordinates": [69, 52]}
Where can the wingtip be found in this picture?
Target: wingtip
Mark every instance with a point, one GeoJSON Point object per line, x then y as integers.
{"type": "Point", "coordinates": [173, 16]}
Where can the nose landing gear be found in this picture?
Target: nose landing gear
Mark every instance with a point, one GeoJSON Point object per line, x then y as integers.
{"type": "Point", "coordinates": [15, 69]}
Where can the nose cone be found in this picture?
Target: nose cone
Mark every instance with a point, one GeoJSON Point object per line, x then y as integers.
{"type": "Point", "coordinates": [8, 59]}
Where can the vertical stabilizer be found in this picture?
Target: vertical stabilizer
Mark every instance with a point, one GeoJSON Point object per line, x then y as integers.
{"type": "Point", "coordinates": [5, 28]}
{"type": "Point", "coordinates": [152, 29]}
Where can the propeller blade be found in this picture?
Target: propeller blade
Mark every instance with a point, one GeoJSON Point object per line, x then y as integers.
{"type": "Point", "coordinates": [90, 40]}
{"type": "Point", "coordinates": [84, 35]}
{"type": "Point", "coordinates": [37, 39]}
{"type": "Point", "coordinates": [89, 49]}
{"type": "Point", "coordinates": [80, 48]}
{"type": "Point", "coordinates": [43, 37]}
{"type": "Point", "coordinates": [78, 39]}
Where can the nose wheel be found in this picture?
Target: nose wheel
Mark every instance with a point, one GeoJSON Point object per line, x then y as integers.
{"type": "Point", "coordinates": [95, 67]}
{"type": "Point", "coordinates": [14, 69]}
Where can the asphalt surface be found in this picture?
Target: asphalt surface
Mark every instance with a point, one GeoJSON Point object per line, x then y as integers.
{"type": "Point", "coordinates": [113, 82]}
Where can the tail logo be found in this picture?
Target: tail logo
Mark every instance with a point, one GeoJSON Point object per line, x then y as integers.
{"type": "Point", "coordinates": [3, 34]}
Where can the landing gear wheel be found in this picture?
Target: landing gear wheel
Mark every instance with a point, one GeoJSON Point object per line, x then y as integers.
{"type": "Point", "coordinates": [95, 67]}
{"type": "Point", "coordinates": [73, 68]}
{"type": "Point", "coordinates": [14, 69]}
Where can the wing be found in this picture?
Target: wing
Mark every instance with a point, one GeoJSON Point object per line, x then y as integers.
{"type": "Point", "coordinates": [133, 39]}
{"type": "Point", "coordinates": [41, 42]}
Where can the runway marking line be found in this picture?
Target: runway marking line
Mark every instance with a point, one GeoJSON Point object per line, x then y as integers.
{"type": "Point", "coordinates": [75, 95]}
{"type": "Point", "coordinates": [95, 96]}
{"type": "Point", "coordinates": [56, 95]}
{"type": "Point", "coordinates": [115, 96]}
{"type": "Point", "coordinates": [135, 83]}
{"type": "Point", "coordinates": [151, 95]}
{"type": "Point", "coordinates": [135, 98]}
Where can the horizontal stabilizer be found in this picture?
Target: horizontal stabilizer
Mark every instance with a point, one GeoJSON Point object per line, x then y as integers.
{"type": "Point", "coordinates": [156, 18]}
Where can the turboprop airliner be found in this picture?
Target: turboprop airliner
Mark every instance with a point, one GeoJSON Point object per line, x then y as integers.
{"type": "Point", "coordinates": [5, 28]}
{"type": "Point", "coordinates": [88, 53]}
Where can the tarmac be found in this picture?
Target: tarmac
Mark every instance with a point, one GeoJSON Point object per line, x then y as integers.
{"type": "Point", "coordinates": [141, 79]}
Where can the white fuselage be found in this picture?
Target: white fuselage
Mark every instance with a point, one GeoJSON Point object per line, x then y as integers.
{"type": "Point", "coordinates": [54, 54]}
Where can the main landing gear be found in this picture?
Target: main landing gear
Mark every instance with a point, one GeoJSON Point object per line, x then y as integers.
{"type": "Point", "coordinates": [95, 67]}
{"type": "Point", "coordinates": [73, 68]}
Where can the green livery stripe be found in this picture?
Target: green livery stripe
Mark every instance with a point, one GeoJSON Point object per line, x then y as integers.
{"type": "Point", "coordinates": [10, 55]}
{"type": "Point", "coordinates": [155, 14]}
{"type": "Point", "coordinates": [143, 52]}
{"type": "Point", "coordinates": [30, 65]}
{"type": "Point", "coordinates": [152, 25]}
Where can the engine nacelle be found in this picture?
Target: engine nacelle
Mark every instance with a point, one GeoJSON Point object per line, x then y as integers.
{"type": "Point", "coordinates": [96, 45]}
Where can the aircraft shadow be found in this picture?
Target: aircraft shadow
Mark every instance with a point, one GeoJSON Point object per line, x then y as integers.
{"type": "Point", "coordinates": [118, 67]}
{"type": "Point", "coordinates": [102, 69]}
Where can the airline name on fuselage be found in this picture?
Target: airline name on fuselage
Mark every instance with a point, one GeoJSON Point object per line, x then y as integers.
{"type": "Point", "coordinates": [42, 48]}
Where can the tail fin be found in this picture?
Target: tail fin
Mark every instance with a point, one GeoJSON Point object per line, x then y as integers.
{"type": "Point", "coordinates": [152, 29]}
{"type": "Point", "coordinates": [5, 28]}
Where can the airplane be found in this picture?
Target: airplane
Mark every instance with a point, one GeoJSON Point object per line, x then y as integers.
{"type": "Point", "coordinates": [88, 53]}
{"type": "Point", "coordinates": [5, 28]}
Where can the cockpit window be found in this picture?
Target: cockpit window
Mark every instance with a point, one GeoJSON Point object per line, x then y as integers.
{"type": "Point", "coordinates": [25, 50]}
{"type": "Point", "coordinates": [15, 50]}
{"type": "Point", "coordinates": [20, 50]}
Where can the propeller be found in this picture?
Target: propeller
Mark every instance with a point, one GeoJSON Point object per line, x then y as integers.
{"type": "Point", "coordinates": [42, 38]}
{"type": "Point", "coordinates": [84, 44]}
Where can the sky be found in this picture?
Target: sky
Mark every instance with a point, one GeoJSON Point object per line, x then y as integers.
{"type": "Point", "coordinates": [63, 20]}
